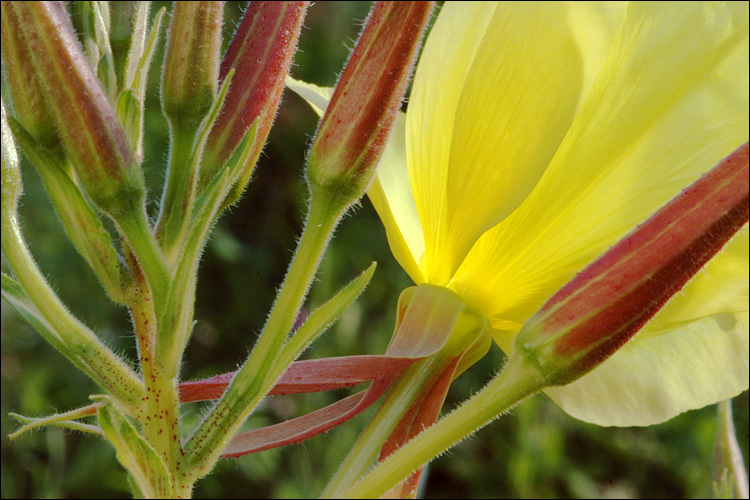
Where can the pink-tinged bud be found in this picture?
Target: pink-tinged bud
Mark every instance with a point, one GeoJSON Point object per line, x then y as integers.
{"type": "Point", "coordinates": [87, 124]}
{"type": "Point", "coordinates": [592, 316]}
{"type": "Point", "coordinates": [261, 55]}
{"type": "Point", "coordinates": [191, 63]}
{"type": "Point", "coordinates": [359, 118]}
{"type": "Point", "coordinates": [27, 97]}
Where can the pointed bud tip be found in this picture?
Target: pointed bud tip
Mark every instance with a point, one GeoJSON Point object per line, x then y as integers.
{"type": "Point", "coordinates": [363, 108]}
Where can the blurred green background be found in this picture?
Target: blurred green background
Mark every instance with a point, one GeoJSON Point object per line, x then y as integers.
{"type": "Point", "coordinates": [535, 451]}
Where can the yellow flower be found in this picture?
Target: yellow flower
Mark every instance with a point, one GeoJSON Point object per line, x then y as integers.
{"type": "Point", "coordinates": [536, 136]}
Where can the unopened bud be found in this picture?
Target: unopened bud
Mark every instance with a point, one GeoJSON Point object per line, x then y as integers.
{"type": "Point", "coordinates": [359, 118]}
{"type": "Point", "coordinates": [608, 302]}
{"type": "Point", "coordinates": [127, 40]}
{"type": "Point", "coordinates": [26, 95]}
{"type": "Point", "coordinates": [191, 63]}
{"type": "Point", "coordinates": [261, 55]}
{"type": "Point", "coordinates": [88, 127]}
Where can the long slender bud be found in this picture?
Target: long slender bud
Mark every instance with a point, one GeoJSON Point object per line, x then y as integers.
{"type": "Point", "coordinates": [191, 63]}
{"type": "Point", "coordinates": [359, 118]}
{"type": "Point", "coordinates": [261, 55]}
{"type": "Point", "coordinates": [25, 91]}
{"type": "Point", "coordinates": [86, 121]}
{"type": "Point", "coordinates": [608, 302]}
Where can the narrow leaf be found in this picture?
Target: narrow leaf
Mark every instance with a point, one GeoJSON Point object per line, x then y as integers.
{"type": "Point", "coordinates": [135, 454]}
{"type": "Point", "coordinates": [65, 420]}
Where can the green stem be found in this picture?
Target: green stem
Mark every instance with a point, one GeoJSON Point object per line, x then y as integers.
{"type": "Point", "coordinates": [410, 385]}
{"type": "Point", "coordinates": [729, 448]}
{"type": "Point", "coordinates": [159, 414]}
{"type": "Point", "coordinates": [518, 380]}
{"type": "Point", "coordinates": [252, 382]}
{"type": "Point", "coordinates": [87, 351]}
{"type": "Point", "coordinates": [179, 193]}
{"type": "Point", "coordinates": [150, 258]}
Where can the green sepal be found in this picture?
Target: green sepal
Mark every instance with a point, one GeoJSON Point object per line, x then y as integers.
{"type": "Point", "coordinates": [145, 466]}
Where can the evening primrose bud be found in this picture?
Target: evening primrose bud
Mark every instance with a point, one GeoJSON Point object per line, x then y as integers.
{"type": "Point", "coordinates": [24, 89]}
{"type": "Point", "coordinates": [191, 63]}
{"type": "Point", "coordinates": [355, 128]}
{"type": "Point", "coordinates": [125, 31]}
{"type": "Point", "coordinates": [591, 317]}
{"type": "Point", "coordinates": [89, 129]}
{"type": "Point", "coordinates": [261, 55]}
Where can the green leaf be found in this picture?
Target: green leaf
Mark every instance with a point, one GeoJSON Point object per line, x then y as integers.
{"type": "Point", "coordinates": [65, 420]}
{"type": "Point", "coordinates": [130, 113]}
{"type": "Point", "coordinates": [82, 225]}
{"type": "Point", "coordinates": [176, 320]}
{"type": "Point", "coordinates": [138, 457]}
{"type": "Point", "coordinates": [136, 76]}
{"type": "Point", "coordinates": [323, 317]}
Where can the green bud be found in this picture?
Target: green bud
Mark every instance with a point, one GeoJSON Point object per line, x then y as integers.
{"type": "Point", "coordinates": [191, 63]}
{"type": "Point", "coordinates": [122, 34]}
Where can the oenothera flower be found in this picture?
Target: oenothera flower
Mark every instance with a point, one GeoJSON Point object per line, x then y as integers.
{"type": "Point", "coordinates": [537, 135]}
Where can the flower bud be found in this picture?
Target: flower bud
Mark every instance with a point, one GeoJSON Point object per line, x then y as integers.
{"type": "Point", "coordinates": [359, 118]}
{"type": "Point", "coordinates": [87, 124]}
{"type": "Point", "coordinates": [124, 32]}
{"type": "Point", "coordinates": [26, 95]}
{"type": "Point", "coordinates": [191, 63]}
{"type": "Point", "coordinates": [592, 316]}
{"type": "Point", "coordinates": [261, 55]}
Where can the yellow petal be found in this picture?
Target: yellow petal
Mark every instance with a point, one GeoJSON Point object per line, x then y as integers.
{"type": "Point", "coordinates": [495, 92]}
{"type": "Point", "coordinates": [695, 365]}
{"type": "Point", "coordinates": [390, 194]}
{"type": "Point", "coordinates": [317, 97]}
{"type": "Point", "coordinates": [669, 104]}
{"type": "Point", "coordinates": [721, 286]}
{"type": "Point", "coordinates": [664, 109]}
